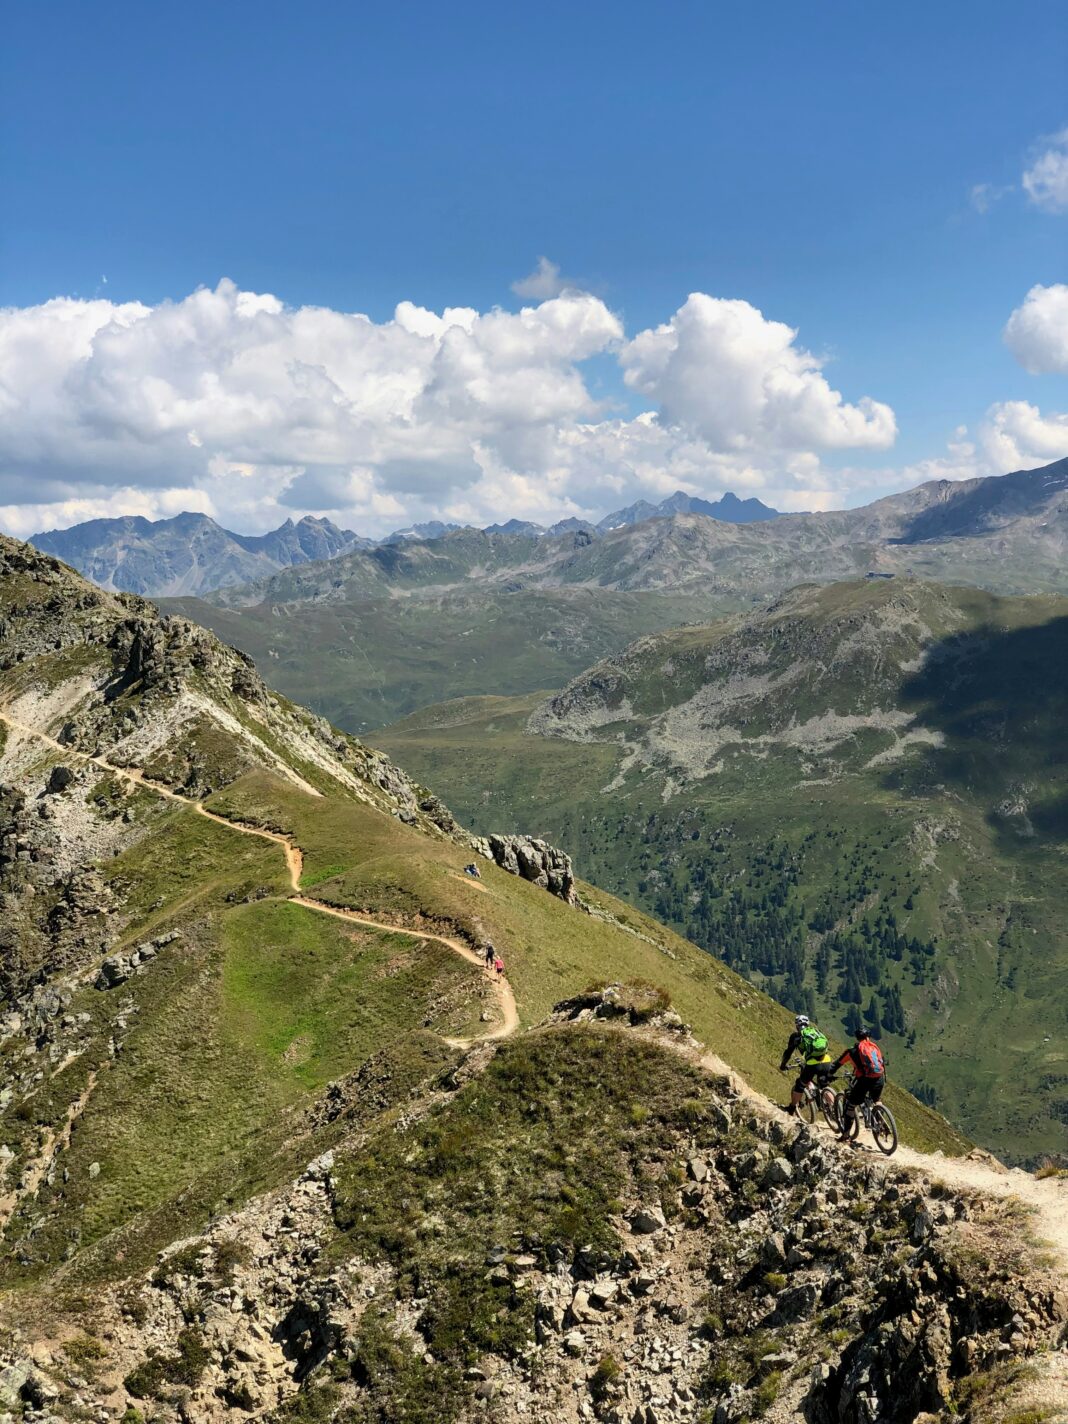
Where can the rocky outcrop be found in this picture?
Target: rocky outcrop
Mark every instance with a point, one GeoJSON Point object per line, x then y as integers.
{"type": "Point", "coordinates": [769, 1275]}
{"type": "Point", "coordinates": [117, 968]}
{"type": "Point", "coordinates": [534, 860]}
{"type": "Point", "coordinates": [55, 910]}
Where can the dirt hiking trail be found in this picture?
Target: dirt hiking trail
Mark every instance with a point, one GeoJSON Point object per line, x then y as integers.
{"type": "Point", "coordinates": [509, 1014]}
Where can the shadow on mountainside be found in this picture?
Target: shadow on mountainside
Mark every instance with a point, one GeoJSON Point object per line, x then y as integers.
{"type": "Point", "coordinates": [1000, 700]}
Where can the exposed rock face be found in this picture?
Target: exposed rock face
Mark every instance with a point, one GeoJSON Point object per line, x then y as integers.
{"type": "Point", "coordinates": [534, 860]}
{"type": "Point", "coordinates": [55, 912]}
{"type": "Point", "coordinates": [117, 968]}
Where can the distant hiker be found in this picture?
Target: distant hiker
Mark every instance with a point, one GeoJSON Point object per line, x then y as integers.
{"type": "Point", "coordinates": [473, 871]}
{"type": "Point", "coordinates": [498, 965]}
{"type": "Point", "coordinates": [811, 1043]}
{"type": "Point", "coordinates": [491, 955]}
{"type": "Point", "coordinates": [869, 1078]}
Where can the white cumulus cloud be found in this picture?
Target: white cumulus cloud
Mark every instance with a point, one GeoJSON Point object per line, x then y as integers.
{"type": "Point", "coordinates": [724, 371]}
{"type": "Point", "coordinates": [1016, 435]}
{"type": "Point", "coordinates": [1037, 331]}
{"type": "Point", "coordinates": [1046, 181]}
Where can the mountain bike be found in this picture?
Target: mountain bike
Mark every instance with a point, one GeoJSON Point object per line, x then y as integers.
{"type": "Point", "coordinates": [878, 1119]}
{"type": "Point", "coordinates": [818, 1094]}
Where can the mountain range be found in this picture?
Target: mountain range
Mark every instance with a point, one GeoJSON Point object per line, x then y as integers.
{"type": "Point", "coordinates": [380, 632]}
{"type": "Point", "coordinates": [1005, 532]}
{"type": "Point", "coordinates": [728, 508]}
{"type": "Point", "coordinates": [276, 1147]}
{"type": "Point", "coordinates": [188, 554]}
{"type": "Point", "coordinates": [192, 554]}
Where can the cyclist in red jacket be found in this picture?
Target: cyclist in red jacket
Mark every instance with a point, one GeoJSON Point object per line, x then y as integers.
{"type": "Point", "coordinates": [869, 1078]}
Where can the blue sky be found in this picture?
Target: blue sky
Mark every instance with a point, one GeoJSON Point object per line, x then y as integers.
{"type": "Point", "coordinates": [815, 161]}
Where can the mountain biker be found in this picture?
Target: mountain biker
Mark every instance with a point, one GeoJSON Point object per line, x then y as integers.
{"type": "Point", "coordinates": [811, 1043]}
{"type": "Point", "coordinates": [869, 1078]}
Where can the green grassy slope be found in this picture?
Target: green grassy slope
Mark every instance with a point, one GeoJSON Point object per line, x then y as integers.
{"type": "Point", "coordinates": [720, 784]}
{"type": "Point", "coordinates": [237, 1027]}
{"type": "Point", "coordinates": [365, 663]}
{"type": "Point", "coordinates": [364, 861]}
{"type": "Point", "coordinates": [223, 1046]}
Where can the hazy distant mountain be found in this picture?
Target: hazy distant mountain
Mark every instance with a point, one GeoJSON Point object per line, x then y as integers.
{"type": "Point", "coordinates": [633, 514]}
{"type": "Point", "coordinates": [190, 553]}
{"type": "Point", "coordinates": [516, 526]}
{"type": "Point", "coordinates": [508, 613]}
{"type": "Point", "coordinates": [433, 529]}
{"type": "Point", "coordinates": [571, 526]}
{"type": "Point", "coordinates": [728, 508]}
{"type": "Point", "coordinates": [1008, 533]}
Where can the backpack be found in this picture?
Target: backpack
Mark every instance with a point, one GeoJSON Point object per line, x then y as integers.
{"type": "Point", "coordinates": [869, 1059]}
{"type": "Point", "coordinates": [813, 1043]}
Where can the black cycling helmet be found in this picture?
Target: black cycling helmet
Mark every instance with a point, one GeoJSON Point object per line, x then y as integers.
{"type": "Point", "coordinates": [859, 1033]}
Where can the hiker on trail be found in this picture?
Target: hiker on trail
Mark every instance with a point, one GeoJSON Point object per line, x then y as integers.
{"type": "Point", "coordinates": [498, 965]}
{"type": "Point", "coordinates": [490, 954]}
{"type": "Point", "coordinates": [811, 1043]}
{"type": "Point", "coordinates": [869, 1078]}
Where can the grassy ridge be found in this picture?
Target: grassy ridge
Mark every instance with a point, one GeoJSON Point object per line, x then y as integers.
{"type": "Point", "coordinates": [220, 1047]}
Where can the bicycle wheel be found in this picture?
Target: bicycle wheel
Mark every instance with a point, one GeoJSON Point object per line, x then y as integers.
{"type": "Point", "coordinates": [884, 1129]}
{"type": "Point", "coordinates": [806, 1108]}
{"type": "Point", "coordinates": [829, 1107]}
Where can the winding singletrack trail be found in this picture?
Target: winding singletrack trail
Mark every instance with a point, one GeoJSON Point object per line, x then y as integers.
{"type": "Point", "coordinates": [509, 1013]}
{"type": "Point", "coordinates": [505, 998]}
{"type": "Point", "coordinates": [1047, 1197]}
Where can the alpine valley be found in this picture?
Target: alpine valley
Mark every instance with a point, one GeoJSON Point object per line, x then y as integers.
{"type": "Point", "coordinates": [857, 797]}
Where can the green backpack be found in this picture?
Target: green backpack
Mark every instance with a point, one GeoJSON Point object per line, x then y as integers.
{"type": "Point", "coordinates": [813, 1043]}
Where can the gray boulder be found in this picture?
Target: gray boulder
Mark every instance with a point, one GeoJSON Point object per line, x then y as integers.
{"type": "Point", "coordinates": [536, 861]}
{"type": "Point", "coordinates": [779, 1172]}
{"type": "Point", "coordinates": [647, 1220]}
{"type": "Point", "coordinates": [61, 777]}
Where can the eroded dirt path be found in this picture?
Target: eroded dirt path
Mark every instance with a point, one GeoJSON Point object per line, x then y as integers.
{"type": "Point", "coordinates": [505, 998]}
{"type": "Point", "coordinates": [509, 1014]}
{"type": "Point", "coordinates": [1046, 1197]}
